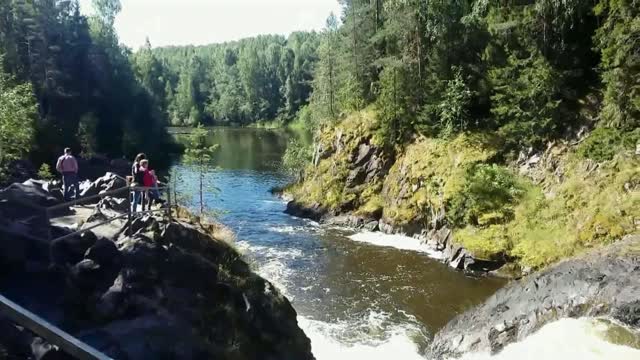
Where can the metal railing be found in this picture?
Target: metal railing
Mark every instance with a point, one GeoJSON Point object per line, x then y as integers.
{"type": "Point", "coordinates": [38, 325]}
{"type": "Point", "coordinates": [51, 333]}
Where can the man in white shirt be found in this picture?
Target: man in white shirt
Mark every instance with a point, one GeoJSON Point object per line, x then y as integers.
{"type": "Point", "coordinates": [68, 167]}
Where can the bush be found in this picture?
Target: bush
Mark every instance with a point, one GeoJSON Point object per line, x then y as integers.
{"type": "Point", "coordinates": [17, 111]}
{"type": "Point", "coordinates": [604, 143]}
{"type": "Point", "coordinates": [44, 173]}
{"type": "Point", "coordinates": [488, 197]}
{"type": "Point", "coordinates": [296, 159]}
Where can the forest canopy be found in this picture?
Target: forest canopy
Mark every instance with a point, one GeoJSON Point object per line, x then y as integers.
{"type": "Point", "coordinates": [529, 70]}
{"type": "Point", "coordinates": [263, 78]}
{"type": "Point", "coordinates": [85, 92]}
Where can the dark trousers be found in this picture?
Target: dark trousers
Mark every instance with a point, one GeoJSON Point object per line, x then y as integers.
{"type": "Point", "coordinates": [70, 179]}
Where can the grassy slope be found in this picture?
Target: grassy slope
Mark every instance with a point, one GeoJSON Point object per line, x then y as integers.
{"type": "Point", "coordinates": [574, 203]}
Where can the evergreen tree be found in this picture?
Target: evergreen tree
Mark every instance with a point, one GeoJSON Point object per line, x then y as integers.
{"type": "Point", "coordinates": [199, 155]}
{"type": "Point", "coordinates": [17, 112]}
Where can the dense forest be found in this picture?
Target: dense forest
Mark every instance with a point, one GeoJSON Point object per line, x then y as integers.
{"type": "Point", "coordinates": [240, 83]}
{"type": "Point", "coordinates": [66, 81]}
{"type": "Point", "coordinates": [514, 124]}
{"type": "Point", "coordinates": [523, 68]}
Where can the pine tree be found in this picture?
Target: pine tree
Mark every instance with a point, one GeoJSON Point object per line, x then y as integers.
{"type": "Point", "coordinates": [199, 156]}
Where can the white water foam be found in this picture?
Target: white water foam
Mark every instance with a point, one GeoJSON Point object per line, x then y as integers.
{"type": "Point", "coordinates": [273, 267]}
{"type": "Point", "coordinates": [566, 339]}
{"type": "Point", "coordinates": [397, 241]}
{"type": "Point", "coordinates": [325, 345]}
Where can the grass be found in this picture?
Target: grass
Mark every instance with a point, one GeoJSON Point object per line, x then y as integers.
{"type": "Point", "coordinates": [587, 209]}
{"type": "Point", "coordinates": [430, 173]}
{"type": "Point", "coordinates": [589, 198]}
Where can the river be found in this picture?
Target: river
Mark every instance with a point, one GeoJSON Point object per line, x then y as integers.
{"type": "Point", "coordinates": [357, 295]}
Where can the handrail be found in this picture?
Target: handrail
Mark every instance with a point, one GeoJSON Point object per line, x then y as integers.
{"type": "Point", "coordinates": [38, 325]}
{"type": "Point", "coordinates": [50, 332]}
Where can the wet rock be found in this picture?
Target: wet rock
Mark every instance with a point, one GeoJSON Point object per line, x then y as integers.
{"type": "Point", "coordinates": [601, 283]}
{"type": "Point", "coordinates": [314, 212]}
{"type": "Point", "coordinates": [371, 225]}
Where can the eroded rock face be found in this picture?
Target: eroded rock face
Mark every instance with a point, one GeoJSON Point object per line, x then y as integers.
{"type": "Point", "coordinates": [602, 283]}
{"type": "Point", "coordinates": [108, 182]}
{"type": "Point", "coordinates": [159, 290]}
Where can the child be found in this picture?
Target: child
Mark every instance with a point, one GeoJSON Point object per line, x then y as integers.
{"type": "Point", "coordinates": [150, 180]}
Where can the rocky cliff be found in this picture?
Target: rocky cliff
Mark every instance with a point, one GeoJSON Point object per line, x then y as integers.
{"type": "Point", "coordinates": [154, 289]}
{"type": "Point", "coordinates": [462, 196]}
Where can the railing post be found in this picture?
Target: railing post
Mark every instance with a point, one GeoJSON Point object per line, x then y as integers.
{"type": "Point", "coordinates": [128, 226]}
{"type": "Point", "coordinates": [169, 203]}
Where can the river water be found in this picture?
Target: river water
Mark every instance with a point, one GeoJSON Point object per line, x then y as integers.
{"type": "Point", "coordinates": [357, 295]}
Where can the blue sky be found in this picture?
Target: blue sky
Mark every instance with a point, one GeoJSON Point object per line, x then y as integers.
{"type": "Point", "coordinates": [181, 22]}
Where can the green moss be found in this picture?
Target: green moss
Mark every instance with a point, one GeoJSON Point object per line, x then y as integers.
{"type": "Point", "coordinates": [325, 184]}
{"type": "Point", "coordinates": [431, 173]}
{"type": "Point", "coordinates": [493, 211]}
{"type": "Point", "coordinates": [484, 243]}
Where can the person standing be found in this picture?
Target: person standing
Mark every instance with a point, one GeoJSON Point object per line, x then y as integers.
{"type": "Point", "coordinates": [150, 181]}
{"type": "Point", "coordinates": [67, 165]}
{"type": "Point", "coordinates": [138, 180]}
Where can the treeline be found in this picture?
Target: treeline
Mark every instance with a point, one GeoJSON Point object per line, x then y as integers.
{"type": "Point", "coordinates": [256, 79]}
{"type": "Point", "coordinates": [530, 70]}
{"type": "Point", "coordinates": [82, 90]}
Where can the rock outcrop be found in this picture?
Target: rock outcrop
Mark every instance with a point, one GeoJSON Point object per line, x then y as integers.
{"type": "Point", "coordinates": [156, 289]}
{"type": "Point", "coordinates": [601, 283]}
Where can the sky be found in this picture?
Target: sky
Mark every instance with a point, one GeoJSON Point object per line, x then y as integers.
{"type": "Point", "coordinates": [198, 22]}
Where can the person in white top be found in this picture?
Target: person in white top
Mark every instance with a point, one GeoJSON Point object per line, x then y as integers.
{"type": "Point", "coordinates": [68, 166]}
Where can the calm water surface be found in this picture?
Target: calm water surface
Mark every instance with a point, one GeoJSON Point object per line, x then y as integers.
{"type": "Point", "coordinates": [353, 299]}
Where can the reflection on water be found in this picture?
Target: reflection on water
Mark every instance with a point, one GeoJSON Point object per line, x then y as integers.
{"type": "Point", "coordinates": [354, 299]}
{"type": "Point", "coordinates": [247, 148]}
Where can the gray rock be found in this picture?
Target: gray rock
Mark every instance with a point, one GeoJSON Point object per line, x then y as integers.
{"type": "Point", "coordinates": [363, 155]}
{"type": "Point", "coordinates": [601, 283]}
{"type": "Point", "coordinates": [315, 212]}
{"type": "Point", "coordinates": [116, 204]}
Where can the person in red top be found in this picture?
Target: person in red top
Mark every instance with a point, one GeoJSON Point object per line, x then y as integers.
{"type": "Point", "coordinates": [67, 165]}
{"type": "Point", "coordinates": [149, 180]}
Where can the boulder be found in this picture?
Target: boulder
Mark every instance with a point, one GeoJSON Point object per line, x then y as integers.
{"type": "Point", "coordinates": [314, 212]}
{"type": "Point", "coordinates": [30, 192]}
{"type": "Point", "coordinates": [103, 252]}
{"type": "Point", "coordinates": [108, 182]}
{"type": "Point", "coordinates": [602, 283]}
{"type": "Point", "coordinates": [71, 250]}
{"type": "Point", "coordinates": [120, 205]}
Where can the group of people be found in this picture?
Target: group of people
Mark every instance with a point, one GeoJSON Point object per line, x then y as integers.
{"type": "Point", "coordinates": [142, 176]}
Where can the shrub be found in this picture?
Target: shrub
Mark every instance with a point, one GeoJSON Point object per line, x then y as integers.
{"type": "Point", "coordinates": [488, 196]}
{"type": "Point", "coordinates": [604, 143]}
{"type": "Point", "coordinates": [296, 159]}
{"type": "Point", "coordinates": [44, 173]}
